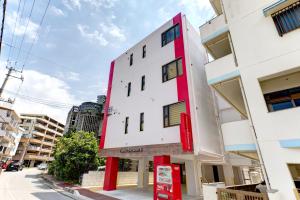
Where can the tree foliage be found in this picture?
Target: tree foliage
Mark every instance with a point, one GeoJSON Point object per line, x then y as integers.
{"type": "Point", "coordinates": [75, 154]}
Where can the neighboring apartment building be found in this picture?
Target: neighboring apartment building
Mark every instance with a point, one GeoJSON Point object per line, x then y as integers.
{"type": "Point", "coordinates": [10, 133]}
{"type": "Point", "coordinates": [86, 117]}
{"type": "Point", "coordinates": [159, 107]}
{"type": "Point", "coordinates": [38, 142]}
{"type": "Point", "coordinates": [101, 99]}
{"type": "Point", "coordinates": [256, 69]}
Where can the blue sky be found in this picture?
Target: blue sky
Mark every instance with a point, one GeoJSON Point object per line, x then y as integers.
{"type": "Point", "coordinates": [69, 62]}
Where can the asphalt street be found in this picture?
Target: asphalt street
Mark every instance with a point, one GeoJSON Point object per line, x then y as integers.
{"type": "Point", "coordinates": [26, 185]}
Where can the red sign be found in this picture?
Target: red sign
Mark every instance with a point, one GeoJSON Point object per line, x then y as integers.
{"type": "Point", "coordinates": [168, 182]}
{"type": "Point", "coordinates": [186, 135]}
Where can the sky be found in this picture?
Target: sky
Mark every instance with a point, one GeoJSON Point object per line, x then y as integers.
{"type": "Point", "coordinates": [72, 48]}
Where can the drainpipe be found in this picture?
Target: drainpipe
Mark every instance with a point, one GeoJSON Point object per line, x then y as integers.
{"type": "Point", "coordinates": [260, 157]}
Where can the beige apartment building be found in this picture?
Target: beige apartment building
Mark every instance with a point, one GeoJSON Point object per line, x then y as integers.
{"type": "Point", "coordinates": [38, 142]}
{"type": "Point", "coordinates": [9, 132]}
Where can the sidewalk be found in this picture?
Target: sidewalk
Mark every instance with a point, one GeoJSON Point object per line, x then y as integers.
{"type": "Point", "coordinates": [75, 192]}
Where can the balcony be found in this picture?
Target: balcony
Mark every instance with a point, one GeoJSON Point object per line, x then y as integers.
{"type": "Point", "coordinates": [6, 136]}
{"type": "Point", "coordinates": [38, 133]}
{"type": "Point", "coordinates": [33, 140]}
{"type": "Point", "coordinates": [213, 28]}
{"type": "Point", "coordinates": [221, 69]}
{"type": "Point", "coordinates": [46, 150]}
{"type": "Point", "coordinates": [48, 144]}
{"type": "Point", "coordinates": [216, 4]}
{"type": "Point", "coordinates": [36, 157]}
{"type": "Point", "coordinates": [237, 136]}
{"type": "Point", "coordinates": [33, 148]}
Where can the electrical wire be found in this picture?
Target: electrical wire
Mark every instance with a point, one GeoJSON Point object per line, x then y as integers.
{"type": "Point", "coordinates": [41, 22]}
{"type": "Point", "coordinates": [22, 41]}
{"type": "Point", "coordinates": [47, 102]}
{"type": "Point", "coordinates": [13, 35]}
{"type": "Point", "coordinates": [18, 21]}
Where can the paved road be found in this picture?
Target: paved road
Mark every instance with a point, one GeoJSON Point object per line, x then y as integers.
{"type": "Point", "coordinates": [26, 185]}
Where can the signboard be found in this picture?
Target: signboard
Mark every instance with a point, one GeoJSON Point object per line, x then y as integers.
{"type": "Point", "coordinates": [164, 175]}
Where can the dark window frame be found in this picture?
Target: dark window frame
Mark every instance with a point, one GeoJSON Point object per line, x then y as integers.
{"type": "Point", "coordinates": [176, 34]}
{"type": "Point", "coordinates": [142, 120]}
{"type": "Point", "coordinates": [166, 114]}
{"type": "Point", "coordinates": [290, 95]}
{"type": "Point", "coordinates": [126, 125]}
{"type": "Point", "coordinates": [143, 83]}
{"type": "Point", "coordinates": [287, 19]}
{"type": "Point", "coordinates": [165, 70]}
{"type": "Point", "coordinates": [128, 89]}
{"type": "Point", "coordinates": [131, 60]}
{"type": "Point", "coordinates": [144, 52]}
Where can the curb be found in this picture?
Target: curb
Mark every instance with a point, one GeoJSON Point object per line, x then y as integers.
{"type": "Point", "coordinates": [66, 191]}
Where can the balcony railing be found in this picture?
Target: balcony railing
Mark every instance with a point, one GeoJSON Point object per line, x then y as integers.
{"type": "Point", "coordinates": [213, 28]}
{"type": "Point", "coordinates": [229, 194]}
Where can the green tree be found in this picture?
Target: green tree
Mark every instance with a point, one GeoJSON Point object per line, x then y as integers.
{"type": "Point", "coordinates": [74, 155]}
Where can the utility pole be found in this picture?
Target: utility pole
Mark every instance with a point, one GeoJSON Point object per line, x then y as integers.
{"type": "Point", "coordinates": [9, 74]}
{"type": "Point", "coordinates": [2, 26]}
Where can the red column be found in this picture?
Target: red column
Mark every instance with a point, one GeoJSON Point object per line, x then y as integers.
{"type": "Point", "coordinates": [111, 173]}
{"type": "Point", "coordinates": [158, 160]}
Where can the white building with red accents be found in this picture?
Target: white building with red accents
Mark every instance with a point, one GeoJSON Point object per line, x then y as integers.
{"type": "Point", "coordinates": [159, 107]}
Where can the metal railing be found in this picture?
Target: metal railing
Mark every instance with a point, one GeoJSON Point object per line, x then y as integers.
{"type": "Point", "coordinates": [229, 194]}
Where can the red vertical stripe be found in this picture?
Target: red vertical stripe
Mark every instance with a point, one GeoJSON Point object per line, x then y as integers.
{"type": "Point", "coordinates": [104, 125]}
{"type": "Point", "coordinates": [182, 83]}
{"type": "Point", "coordinates": [111, 173]}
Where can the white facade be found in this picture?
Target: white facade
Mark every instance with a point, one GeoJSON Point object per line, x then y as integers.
{"type": "Point", "coordinates": [156, 139]}
{"type": "Point", "coordinates": [264, 62]}
{"type": "Point", "coordinates": [158, 94]}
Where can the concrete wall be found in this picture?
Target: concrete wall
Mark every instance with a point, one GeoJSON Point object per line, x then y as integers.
{"type": "Point", "coordinates": [96, 178]}
{"type": "Point", "coordinates": [205, 130]}
{"type": "Point", "coordinates": [261, 52]}
{"type": "Point", "coordinates": [150, 101]}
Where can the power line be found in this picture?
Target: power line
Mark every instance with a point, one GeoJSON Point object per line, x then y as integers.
{"type": "Point", "coordinates": [47, 102]}
{"type": "Point", "coordinates": [25, 29]}
{"type": "Point", "coordinates": [41, 22]}
{"type": "Point", "coordinates": [36, 56]}
{"type": "Point", "coordinates": [13, 35]}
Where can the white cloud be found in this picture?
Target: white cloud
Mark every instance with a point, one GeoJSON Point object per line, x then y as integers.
{"type": "Point", "coordinates": [92, 36]}
{"type": "Point", "coordinates": [32, 28]}
{"type": "Point", "coordinates": [39, 86]}
{"type": "Point", "coordinates": [77, 4]}
{"type": "Point", "coordinates": [72, 76]}
{"type": "Point", "coordinates": [72, 4]}
{"type": "Point", "coordinates": [113, 30]}
{"type": "Point", "coordinates": [50, 45]}
{"type": "Point", "coordinates": [198, 11]}
{"type": "Point", "coordinates": [195, 4]}
{"type": "Point", "coordinates": [164, 15]}
{"type": "Point", "coordinates": [56, 11]}
{"type": "Point", "coordinates": [107, 32]}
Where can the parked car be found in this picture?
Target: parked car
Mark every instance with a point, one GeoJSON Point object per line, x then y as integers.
{"type": "Point", "coordinates": [42, 166]}
{"type": "Point", "coordinates": [14, 166]}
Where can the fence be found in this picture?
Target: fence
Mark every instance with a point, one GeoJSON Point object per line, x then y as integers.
{"type": "Point", "coordinates": [229, 194]}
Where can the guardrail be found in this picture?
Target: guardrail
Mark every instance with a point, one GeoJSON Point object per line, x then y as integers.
{"type": "Point", "coordinates": [229, 194]}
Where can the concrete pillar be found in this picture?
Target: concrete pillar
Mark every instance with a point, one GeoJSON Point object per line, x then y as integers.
{"type": "Point", "coordinates": [111, 173]}
{"type": "Point", "coordinates": [158, 160]}
{"type": "Point", "coordinates": [143, 173]}
{"type": "Point", "coordinates": [32, 163]}
{"type": "Point", "coordinates": [193, 177]}
{"type": "Point", "coordinates": [228, 174]}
